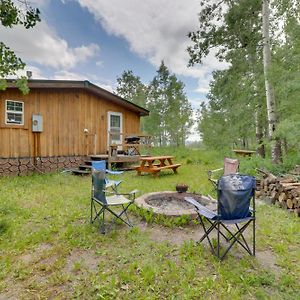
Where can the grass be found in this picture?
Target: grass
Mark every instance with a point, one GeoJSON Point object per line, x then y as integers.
{"type": "Point", "coordinates": [48, 249]}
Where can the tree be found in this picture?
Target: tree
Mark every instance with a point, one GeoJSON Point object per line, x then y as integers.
{"type": "Point", "coordinates": [170, 111]}
{"type": "Point", "coordinates": [178, 113]}
{"type": "Point", "coordinates": [235, 28]}
{"type": "Point", "coordinates": [15, 13]}
{"type": "Point", "coordinates": [131, 88]}
{"type": "Point", "coordinates": [157, 105]}
{"type": "Point", "coordinates": [227, 119]}
{"type": "Point", "coordinates": [270, 96]}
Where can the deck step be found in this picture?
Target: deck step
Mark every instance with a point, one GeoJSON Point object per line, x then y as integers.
{"type": "Point", "coordinates": [80, 172]}
{"type": "Point", "coordinates": [85, 167]}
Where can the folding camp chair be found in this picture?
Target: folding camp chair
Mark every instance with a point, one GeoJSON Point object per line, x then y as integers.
{"type": "Point", "coordinates": [101, 203]}
{"type": "Point", "coordinates": [231, 166]}
{"type": "Point", "coordinates": [233, 210]}
{"type": "Point", "coordinates": [100, 165]}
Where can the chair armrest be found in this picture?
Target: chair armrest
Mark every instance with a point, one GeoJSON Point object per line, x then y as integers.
{"type": "Point", "coordinates": [114, 172]}
{"type": "Point", "coordinates": [110, 184]}
{"type": "Point", "coordinates": [210, 172]}
{"type": "Point", "coordinates": [110, 192]}
{"type": "Point", "coordinates": [133, 192]}
{"type": "Point", "coordinates": [129, 193]}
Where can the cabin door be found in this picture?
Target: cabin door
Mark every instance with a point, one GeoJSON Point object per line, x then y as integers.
{"type": "Point", "coordinates": [115, 124]}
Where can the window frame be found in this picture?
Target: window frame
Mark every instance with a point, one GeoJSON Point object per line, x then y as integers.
{"type": "Point", "coordinates": [22, 113]}
{"type": "Point", "coordinates": [120, 115]}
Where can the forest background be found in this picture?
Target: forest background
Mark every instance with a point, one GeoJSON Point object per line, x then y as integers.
{"type": "Point", "coordinates": [254, 103]}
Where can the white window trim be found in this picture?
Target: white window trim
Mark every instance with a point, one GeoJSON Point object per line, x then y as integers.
{"type": "Point", "coordinates": [14, 112]}
{"type": "Point", "coordinates": [112, 113]}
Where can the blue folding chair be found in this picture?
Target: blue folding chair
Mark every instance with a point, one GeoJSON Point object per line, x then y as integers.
{"type": "Point", "coordinates": [101, 203]}
{"type": "Point", "coordinates": [100, 165]}
{"type": "Point", "coordinates": [235, 192]}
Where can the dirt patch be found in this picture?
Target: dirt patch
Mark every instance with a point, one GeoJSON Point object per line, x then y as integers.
{"type": "Point", "coordinates": [36, 254]}
{"type": "Point", "coordinates": [268, 260]}
{"type": "Point", "coordinates": [175, 236]}
{"type": "Point", "coordinates": [81, 259]}
{"type": "Point", "coordinates": [178, 236]}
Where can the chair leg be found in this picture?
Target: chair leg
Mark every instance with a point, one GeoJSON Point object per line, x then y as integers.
{"type": "Point", "coordinates": [125, 213]}
{"type": "Point", "coordinates": [99, 215]}
{"type": "Point", "coordinates": [206, 234]}
{"type": "Point", "coordinates": [119, 216]}
{"type": "Point", "coordinates": [102, 224]}
{"type": "Point", "coordinates": [218, 240]}
{"type": "Point", "coordinates": [235, 238]}
{"type": "Point", "coordinates": [254, 237]}
{"type": "Point", "coordinates": [244, 240]}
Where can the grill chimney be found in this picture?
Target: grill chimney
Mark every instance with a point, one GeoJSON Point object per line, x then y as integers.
{"type": "Point", "coordinates": [29, 74]}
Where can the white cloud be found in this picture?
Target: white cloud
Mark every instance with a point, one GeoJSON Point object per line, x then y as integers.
{"type": "Point", "coordinates": [106, 87]}
{"type": "Point", "coordinates": [36, 72]}
{"type": "Point", "coordinates": [43, 46]}
{"type": "Point", "coordinates": [156, 30]}
{"type": "Point", "coordinates": [66, 75]}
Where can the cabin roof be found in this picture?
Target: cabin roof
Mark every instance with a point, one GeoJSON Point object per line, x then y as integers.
{"type": "Point", "coordinates": [82, 85]}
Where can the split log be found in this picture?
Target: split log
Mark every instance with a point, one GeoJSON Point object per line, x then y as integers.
{"type": "Point", "coordinates": [288, 179]}
{"type": "Point", "coordinates": [289, 203]}
{"type": "Point", "coordinates": [274, 195]}
{"type": "Point", "coordinates": [282, 197]}
{"type": "Point", "coordinates": [288, 184]}
{"type": "Point", "coordinates": [285, 191]}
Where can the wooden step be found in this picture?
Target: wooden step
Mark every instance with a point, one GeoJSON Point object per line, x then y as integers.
{"type": "Point", "coordinates": [85, 167]}
{"type": "Point", "coordinates": [99, 157]}
{"type": "Point", "coordinates": [80, 172]}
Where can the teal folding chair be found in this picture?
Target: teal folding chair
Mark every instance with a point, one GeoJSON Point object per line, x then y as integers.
{"type": "Point", "coordinates": [101, 203]}
{"type": "Point", "coordinates": [100, 165]}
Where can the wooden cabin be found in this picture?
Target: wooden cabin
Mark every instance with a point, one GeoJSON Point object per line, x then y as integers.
{"type": "Point", "coordinates": [59, 123]}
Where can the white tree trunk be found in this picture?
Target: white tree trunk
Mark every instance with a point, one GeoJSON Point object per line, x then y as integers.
{"type": "Point", "coordinates": [270, 97]}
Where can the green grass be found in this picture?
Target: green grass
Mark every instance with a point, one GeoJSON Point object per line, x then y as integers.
{"type": "Point", "coordinates": [48, 249]}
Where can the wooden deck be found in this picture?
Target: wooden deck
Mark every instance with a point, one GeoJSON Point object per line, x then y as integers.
{"type": "Point", "coordinates": [117, 158]}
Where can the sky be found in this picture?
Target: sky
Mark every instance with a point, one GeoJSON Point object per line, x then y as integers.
{"type": "Point", "coordinates": [97, 40]}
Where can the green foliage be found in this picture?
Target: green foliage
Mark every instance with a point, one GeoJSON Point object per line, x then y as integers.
{"type": "Point", "coordinates": [170, 118]}
{"type": "Point", "coordinates": [236, 114]}
{"type": "Point", "coordinates": [131, 88]}
{"type": "Point", "coordinates": [170, 111]}
{"type": "Point", "coordinates": [49, 249]}
{"type": "Point", "coordinates": [15, 13]}
{"type": "Point", "coordinates": [11, 14]}
{"type": "Point", "coordinates": [9, 62]}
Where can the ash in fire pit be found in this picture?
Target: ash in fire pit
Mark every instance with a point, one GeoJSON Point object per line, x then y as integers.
{"type": "Point", "coordinates": [171, 203]}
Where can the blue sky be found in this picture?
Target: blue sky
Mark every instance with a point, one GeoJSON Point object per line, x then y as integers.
{"type": "Point", "coordinates": [97, 40]}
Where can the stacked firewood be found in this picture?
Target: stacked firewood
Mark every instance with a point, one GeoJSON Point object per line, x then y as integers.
{"type": "Point", "coordinates": [285, 190]}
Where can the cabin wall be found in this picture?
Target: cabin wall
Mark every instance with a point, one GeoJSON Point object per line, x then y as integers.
{"type": "Point", "coordinates": [66, 113]}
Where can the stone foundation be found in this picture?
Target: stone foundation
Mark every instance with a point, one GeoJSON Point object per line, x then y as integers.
{"type": "Point", "coordinates": [27, 165]}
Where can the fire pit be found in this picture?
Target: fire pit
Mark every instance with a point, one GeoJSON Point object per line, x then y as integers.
{"type": "Point", "coordinates": [171, 203]}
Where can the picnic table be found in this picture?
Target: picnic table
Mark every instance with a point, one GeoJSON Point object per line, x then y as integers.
{"type": "Point", "coordinates": [243, 152]}
{"type": "Point", "coordinates": [148, 165]}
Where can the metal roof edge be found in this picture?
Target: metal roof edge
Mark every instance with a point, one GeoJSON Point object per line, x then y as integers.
{"type": "Point", "coordinates": [83, 84]}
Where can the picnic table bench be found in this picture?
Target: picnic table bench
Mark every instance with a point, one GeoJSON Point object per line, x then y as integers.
{"type": "Point", "coordinates": [147, 164]}
{"type": "Point", "coordinates": [244, 152]}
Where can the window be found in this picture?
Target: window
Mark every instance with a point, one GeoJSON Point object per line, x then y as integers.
{"type": "Point", "coordinates": [14, 112]}
{"type": "Point", "coordinates": [115, 126]}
